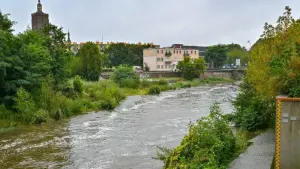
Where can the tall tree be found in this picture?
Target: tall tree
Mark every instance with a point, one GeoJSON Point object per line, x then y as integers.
{"type": "Point", "coordinates": [191, 68]}
{"type": "Point", "coordinates": [90, 61]}
{"type": "Point", "coordinates": [129, 54]}
{"type": "Point", "coordinates": [216, 55]}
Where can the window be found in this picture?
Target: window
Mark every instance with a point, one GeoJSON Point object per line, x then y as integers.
{"type": "Point", "coordinates": [158, 59]}
{"type": "Point", "coordinates": [176, 51]}
{"type": "Point", "coordinates": [166, 66]}
{"type": "Point", "coordinates": [162, 59]}
{"type": "Point", "coordinates": [173, 51]}
{"type": "Point", "coordinates": [157, 51]}
{"type": "Point", "coordinates": [170, 67]}
{"type": "Point", "coordinates": [158, 66]}
{"type": "Point", "coordinates": [180, 52]}
{"type": "Point", "coordinates": [162, 51]}
{"type": "Point", "coordinates": [191, 52]}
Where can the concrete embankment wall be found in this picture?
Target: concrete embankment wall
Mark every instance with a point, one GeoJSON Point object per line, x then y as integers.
{"type": "Point", "coordinates": [226, 74]}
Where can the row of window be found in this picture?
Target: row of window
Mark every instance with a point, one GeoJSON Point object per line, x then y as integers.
{"type": "Point", "coordinates": [165, 66]}
{"type": "Point", "coordinates": [160, 59]}
{"type": "Point", "coordinates": [179, 51]}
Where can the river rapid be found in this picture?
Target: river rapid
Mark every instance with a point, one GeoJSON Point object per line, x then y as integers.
{"type": "Point", "coordinates": [126, 138]}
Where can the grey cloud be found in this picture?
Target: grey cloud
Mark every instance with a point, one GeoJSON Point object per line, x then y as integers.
{"type": "Point", "coordinates": [194, 22]}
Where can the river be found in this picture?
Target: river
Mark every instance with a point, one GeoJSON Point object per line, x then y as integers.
{"type": "Point", "coordinates": [126, 138]}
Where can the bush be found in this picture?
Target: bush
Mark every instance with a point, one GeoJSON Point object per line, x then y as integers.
{"type": "Point", "coordinates": [163, 82]}
{"type": "Point", "coordinates": [78, 85]}
{"type": "Point", "coordinates": [130, 83]}
{"type": "Point", "coordinates": [123, 73]}
{"type": "Point", "coordinates": [41, 116]}
{"type": "Point", "coordinates": [210, 143]}
{"type": "Point", "coordinates": [252, 111]}
{"type": "Point", "coordinates": [144, 83]}
{"type": "Point", "coordinates": [25, 106]}
{"type": "Point", "coordinates": [154, 90]}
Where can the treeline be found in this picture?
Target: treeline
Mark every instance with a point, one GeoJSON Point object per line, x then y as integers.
{"type": "Point", "coordinates": [274, 69]}
{"type": "Point", "coordinates": [226, 54]}
{"type": "Point", "coordinates": [121, 54]}
{"type": "Point", "coordinates": [37, 71]}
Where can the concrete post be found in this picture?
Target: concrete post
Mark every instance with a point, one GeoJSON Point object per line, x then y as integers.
{"type": "Point", "coordinates": [287, 133]}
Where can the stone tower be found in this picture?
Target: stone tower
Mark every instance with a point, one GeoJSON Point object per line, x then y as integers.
{"type": "Point", "coordinates": [39, 19]}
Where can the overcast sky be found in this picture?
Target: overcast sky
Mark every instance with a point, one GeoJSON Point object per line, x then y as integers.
{"type": "Point", "coordinates": [164, 22]}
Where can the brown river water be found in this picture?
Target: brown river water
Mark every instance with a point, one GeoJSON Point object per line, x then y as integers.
{"type": "Point", "coordinates": [126, 138]}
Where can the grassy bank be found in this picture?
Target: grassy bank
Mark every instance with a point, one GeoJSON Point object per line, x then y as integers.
{"type": "Point", "coordinates": [177, 83]}
{"type": "Point", "coordinates": [95, 96]}
{"type": "Point", "coordinates": [210, 143]}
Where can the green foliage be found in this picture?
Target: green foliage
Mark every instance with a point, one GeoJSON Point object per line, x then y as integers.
{"type": "Point", "coordinates": [121, 54]}
{"type": "Point", "coordinates": [275, 58]}
{"type": "Point", "coordinates": [25, 106]}
{"type": "Point", "coordinates": [163, 82]}
{"type": "Point", "coordinates": [154, 90]}
{"type": "Point", "coordinates": [210, 143]}
{"type": "Point", "coordinates": [216, 55]}
{"type": "Point", "coordinates": [126, 77]}
{"type": "Point", "coordinates": [144, 83]}
{"type": "Point", "coordinates": [5, 23]}
{"type": "Point", "coordinates": [90, 61]}
{"type": "Point", "coordinates": [252, 111]}
{"type": "Point", "coordinates": [191, 68]}
{"type": "Point", "coordinates": [78, 85]}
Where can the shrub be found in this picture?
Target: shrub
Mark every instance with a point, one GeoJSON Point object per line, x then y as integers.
{"type": "Point", "coordinates": [129, 83]}
{"type": "Point", "coordinates": [25, 106]}
{"type": "Point", "coordinates": [40, 116]}
{"type": "Point", "coordinates": [78, 85]}
{"type": "Point", "coordinates": [186, 85]}
{"type": "Point", "coordinates": [163, 82]}
{"type": "Point", "coordinates": [144, 83]}
{"type": "Point", "coordinates": [109, 104]}
{"type": "Point", "coordinates": [210, 143]}
{"type": "Point", "coordinates": [252, 111]}
{"type": "Point", "coordinates": [122, 72]}
{"type": "Point", "coordinates": [154, 90]}
{"type": "Point", "coordinates": [164, 87]}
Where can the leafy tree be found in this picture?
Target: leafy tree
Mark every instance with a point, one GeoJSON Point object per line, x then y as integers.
{"type": "Point", "coordinates": [130, 54]}
{"type": "Point", "coordinates": [5, 23]}
{"type": "Point", "coordinates": [90, 61]}
{"type": "Point", "coordinates": [275, 58]}
{"type": "Point", "coordinates": [237, 53]}
{"type": "Point", "coordinates": [191, 68]}
{"type": "Point", "coordinates": [216, 55]}
{"type": "Point", "coordinates": [62, 67]}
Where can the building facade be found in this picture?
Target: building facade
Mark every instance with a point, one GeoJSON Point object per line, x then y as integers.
{"type": "Point", "coordinates": [39, 19]}
{"type": "Point", "coordinates": [166, 59]}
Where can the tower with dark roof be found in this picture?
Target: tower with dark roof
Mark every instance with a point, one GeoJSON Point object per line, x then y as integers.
{"type": "Point", "coordinates": [39, 19]}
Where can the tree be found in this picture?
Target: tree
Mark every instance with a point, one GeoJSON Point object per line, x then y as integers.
{"type": "Point", "coordinates": [90, 61]}
{"type": "Point", "coordinates": [237, 53]}
{"type": "Point", "coordinates": [130, 54]}
{"type": "Point", "coordinates": [191, 68]}
{"type": "Point", "coordinates": [216, 55]}
{"type": "Point", "coordinates": [5, 23]}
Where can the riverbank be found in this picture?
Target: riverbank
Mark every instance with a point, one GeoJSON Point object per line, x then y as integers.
{"type": "Point", "coordinates": [125, 137]}
{"type": "Point", "coordinates": [104, 95]}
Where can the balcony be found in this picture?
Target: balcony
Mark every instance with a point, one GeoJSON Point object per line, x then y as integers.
{"type": "Point", "coordinates": [168, 54]}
